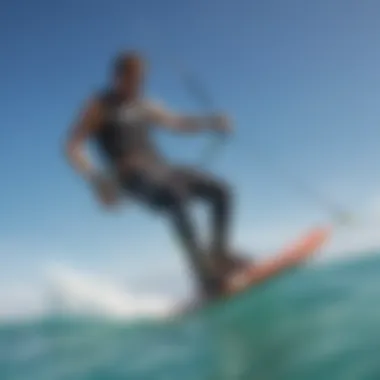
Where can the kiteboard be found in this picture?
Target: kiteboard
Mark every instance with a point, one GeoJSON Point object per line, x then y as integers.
{"type": "Point", "coordinates": [287, 258]}
{"type": "Point", "coordinates": [259, 272]}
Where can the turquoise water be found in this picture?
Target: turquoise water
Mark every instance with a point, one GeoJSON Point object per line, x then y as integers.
{"type": "Point", "coordinates": [316, 323]}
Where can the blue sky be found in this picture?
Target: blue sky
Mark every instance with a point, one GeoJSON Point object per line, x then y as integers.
{"type": "Point", "coordinates": [300, 79]}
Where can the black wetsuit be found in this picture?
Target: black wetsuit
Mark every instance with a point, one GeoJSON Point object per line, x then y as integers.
{"type": "Point", "coordinates": [167, 188]}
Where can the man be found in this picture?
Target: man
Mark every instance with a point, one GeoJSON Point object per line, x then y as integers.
{"type": "Point", "coordinates": [119, 120]}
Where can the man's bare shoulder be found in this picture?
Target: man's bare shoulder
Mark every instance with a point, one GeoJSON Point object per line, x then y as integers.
{"type": "Point", "coordinates": [157, 111]}
{"type": "Point", "coordinates": [89, 116]}
{"type": "Point", "coordinates": [94, 102]}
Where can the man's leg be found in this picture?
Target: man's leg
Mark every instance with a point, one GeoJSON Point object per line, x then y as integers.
{"type": "Point", "coordinates": [219, 196]}
{"type": "Point", "coordinates": [170, 195]}
{"type": "Point", "coordinates": [185, 231]}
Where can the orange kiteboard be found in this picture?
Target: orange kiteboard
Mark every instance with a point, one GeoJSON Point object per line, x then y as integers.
{"type": "Point", "coordinates": [302, 249]}
{"type": "Point", "coordinates": [259, 272]}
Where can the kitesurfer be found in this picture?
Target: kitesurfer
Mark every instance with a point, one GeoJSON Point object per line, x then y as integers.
{"type": "Point", "coordinates": [119, 119]}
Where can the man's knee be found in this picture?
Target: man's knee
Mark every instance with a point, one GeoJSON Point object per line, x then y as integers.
{"type": "Point", "coordinates": [221, 192]}
{"type": "Point", "coordinates": [204, 185]}
{"type": "Point", "coordinates": [173, 199]}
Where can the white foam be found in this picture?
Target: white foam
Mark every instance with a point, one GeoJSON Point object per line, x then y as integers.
{"type": "Point", "coordinates": [78, 292]}
{"type": "Point", "coordinates": [71, 291]}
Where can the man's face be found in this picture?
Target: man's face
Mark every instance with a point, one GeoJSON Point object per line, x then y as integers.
{"type": "Point", "coordinates": [131, 78]}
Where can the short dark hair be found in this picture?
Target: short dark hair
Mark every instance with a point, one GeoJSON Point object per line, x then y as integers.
{"type": "Point", "coordinates": [125, 61]}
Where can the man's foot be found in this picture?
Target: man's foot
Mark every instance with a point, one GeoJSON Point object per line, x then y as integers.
{"type": "Point", "coordinates": [214, 287]}
{"type": "Point", "coordinates": [226, 264]}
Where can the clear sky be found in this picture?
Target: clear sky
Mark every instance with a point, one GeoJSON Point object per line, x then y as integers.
{"type": "Point", "coordinates": [300, 79]}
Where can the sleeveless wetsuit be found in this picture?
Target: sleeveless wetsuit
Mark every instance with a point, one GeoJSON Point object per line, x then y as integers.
{"type": "Point", "coordinates": [126, 130]}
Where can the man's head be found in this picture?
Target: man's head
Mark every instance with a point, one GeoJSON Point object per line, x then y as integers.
{"type": "Point", "coordinates": [128, 72]}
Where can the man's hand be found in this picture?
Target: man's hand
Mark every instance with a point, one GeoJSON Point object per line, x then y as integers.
{"type": "Point", "coordinates": [106, 191]}
{"type": "Point", "coordinates": [221, 123]}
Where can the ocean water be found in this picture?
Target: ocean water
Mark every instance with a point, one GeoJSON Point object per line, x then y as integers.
{"type": "Point", "coordinates": [321, 322]}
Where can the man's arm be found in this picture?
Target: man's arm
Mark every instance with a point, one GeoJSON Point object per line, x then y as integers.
{"type": "Point", "coordinates": [186, 123]}
{"type": "Point", "coordinates": [84, 127]}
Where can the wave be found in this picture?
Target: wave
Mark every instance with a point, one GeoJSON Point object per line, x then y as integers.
{"type": "Point", "coordinates": [69, 291]}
